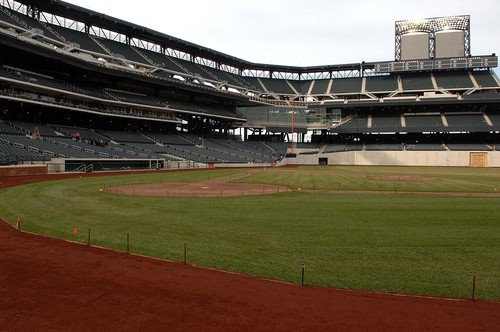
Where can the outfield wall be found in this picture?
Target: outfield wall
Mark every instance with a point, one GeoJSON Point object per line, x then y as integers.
{"type": "Point", "coordinates": [61, 165]}
{"type": "Point", "coordinates": [396, 158]}
{"type": "Point", "coordinates": [244, 165]}
{"type": "Point", "coordinates": [22, 170]}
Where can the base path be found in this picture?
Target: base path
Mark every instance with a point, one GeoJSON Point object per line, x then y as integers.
{"type": "Point", "coordinates": [49, 284]}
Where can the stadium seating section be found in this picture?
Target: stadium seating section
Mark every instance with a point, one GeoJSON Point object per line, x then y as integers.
{"type": "Point", "coordinates": [380, 84]}
{"type": "Point", "coordinates": [484, 79]}
{"type": "Point", "coordinates": [451, 80]}
{"type": "Point", "coordinates": [18, 144]}
{"type": "Point", "coordinates": [354, 125]}
{"type": "Point", "coordinates": [419, 122]}
{"type": "Point", "coordinates": [424, 123]}
{"type": "Point", "coordinates": [320, 87]}
{"type": "Point", "coordinates": [277, 86]}
{"type": "Point", "coordinates": [417, 82]}
{"type": "Point", "coordinates": [386, 124]}
{"type": "Point", "coordinates": [346, 85]}
{"type": "Point", "coordinates": [361, 129]}
{"type": "Point", "coordinates": [113, 95]}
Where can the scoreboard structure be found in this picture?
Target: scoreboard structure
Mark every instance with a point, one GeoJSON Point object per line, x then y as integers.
{"type": "Point", "coordinates": [439, 37]}
{"type": "Point", "coordinates": [489, 61]}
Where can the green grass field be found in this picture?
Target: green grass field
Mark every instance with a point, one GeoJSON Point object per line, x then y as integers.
{"type": "Point", "coordinates": [413, 244]}
{"type": "Point", "coordinates": [373, 178]}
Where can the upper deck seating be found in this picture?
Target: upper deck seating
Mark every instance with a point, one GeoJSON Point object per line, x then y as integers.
{"type": "Point", "coordinates": [382, 83]}
{"type": "Point", "coordinates": [122, 49]}
{"type": "Point", "coordinates": [346, 85]}
{"type": "Point", "coordinates": [417, 82]}
{"type": "Point", "coordinates": [453, 80]}
{"type": "Point", "coordinates": [277, 85]}
{"type": "Point", "coordinates": [80, 38]}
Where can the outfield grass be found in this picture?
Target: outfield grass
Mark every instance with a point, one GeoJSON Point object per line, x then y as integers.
{"type": "Point", "coordinates": [373, 178]}
{"type": "Point", "coordinates": [428, 245]}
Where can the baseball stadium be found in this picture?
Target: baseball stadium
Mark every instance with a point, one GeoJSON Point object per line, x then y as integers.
{"type": "Point", "coordinates": [148, 182]}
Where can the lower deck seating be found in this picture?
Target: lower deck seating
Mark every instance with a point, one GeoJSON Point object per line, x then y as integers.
{"type": "Point", "coordinates": [241, 150]}
{"type": "Point", "coordinates": [7, 128]}
{"type": "Point", "coordinates": [169, 139]}
{"type": "Point", "coordinates": [85, 134]}
{"type": "Point", "coordinates": [11, 153]}
{"type": "Point", "coordinates": [279, 148]}
{"type": "Point", "coordinates": [31, 128]}
{"type": "Point", "coordinates": [122, 136]}
{"type": "Point", "coordinates": [55, 141]}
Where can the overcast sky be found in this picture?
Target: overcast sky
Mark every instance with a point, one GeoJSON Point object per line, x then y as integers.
{"type": "Point", "coordinates": [303, 33]}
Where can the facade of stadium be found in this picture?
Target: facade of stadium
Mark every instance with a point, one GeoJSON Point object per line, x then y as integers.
{"type": "Point", "coordinates": [87, 91]}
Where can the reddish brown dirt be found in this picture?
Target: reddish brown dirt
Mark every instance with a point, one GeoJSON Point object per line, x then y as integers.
{"type": "Point", "coordinates": [49, 284]}
{"type": "Point", "coordinates": [221, 186]}
{"type": "Point", "coordinates": [9, 181]}
{"type": "Point", "coordinates": [22, 170]}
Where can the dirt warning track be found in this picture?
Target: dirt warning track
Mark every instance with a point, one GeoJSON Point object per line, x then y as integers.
{"type": "Point", "coordinates": [51, 284]}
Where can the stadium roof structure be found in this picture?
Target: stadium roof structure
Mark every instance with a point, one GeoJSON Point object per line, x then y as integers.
{"type": "Point", "coordinates": [91, 17]}
{"type": "Point", "coordinates": [131, 30]}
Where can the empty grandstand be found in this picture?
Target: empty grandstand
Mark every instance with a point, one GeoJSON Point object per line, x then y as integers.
{"type": "Point", "coordinates": [96, 87]}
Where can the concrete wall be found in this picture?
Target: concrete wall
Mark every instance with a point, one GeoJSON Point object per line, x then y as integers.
{"type": "Point", "coordinates": [394, 158]}
{"type": "Point", "coordinates": [183, 164]}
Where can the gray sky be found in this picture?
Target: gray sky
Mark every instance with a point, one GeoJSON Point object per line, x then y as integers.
{"type": "Point", "coordinates": [293, 32]}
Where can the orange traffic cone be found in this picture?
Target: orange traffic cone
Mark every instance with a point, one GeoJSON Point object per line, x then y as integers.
{"type": "Point", "coordinates": [75, 231]}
